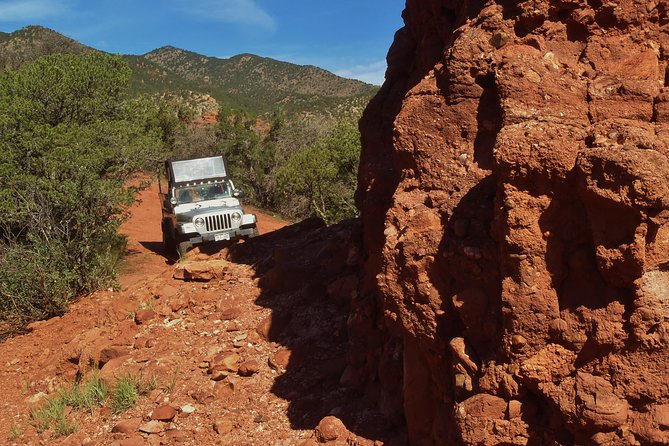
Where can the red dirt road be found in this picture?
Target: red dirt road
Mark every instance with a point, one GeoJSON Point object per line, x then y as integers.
{"type": "Point", "coordinates": [250, 357]}
{"type": "Point", "coordinates": [145, 254]}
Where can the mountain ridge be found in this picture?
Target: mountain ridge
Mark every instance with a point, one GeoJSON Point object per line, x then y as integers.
{"type": "Point", "coordinates": [245, 81]}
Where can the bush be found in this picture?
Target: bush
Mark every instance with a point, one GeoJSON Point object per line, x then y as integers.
{"type": "Point", "coordinates": [321, 179]}
{"type": "Point", "coordinates": [70, 138]}
{"type": "Point", "coordinates": [127, 391]}
{"type": "Point", "coordinates": [89, 394]}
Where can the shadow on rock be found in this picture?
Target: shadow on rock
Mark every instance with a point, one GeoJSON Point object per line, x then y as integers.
{"type": "Point", "coordinates": [309, 276]}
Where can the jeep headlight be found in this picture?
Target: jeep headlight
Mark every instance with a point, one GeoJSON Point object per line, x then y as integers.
{"type": "Point", "coordinates": [236, 217]}
{"type": "Point", "coordinates": [199, 222]}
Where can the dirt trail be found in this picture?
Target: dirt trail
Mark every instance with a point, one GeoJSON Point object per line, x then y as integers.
{"type": "Point", "coordinates": [240, 359]}
{"type": "Point", "coordinates": [145, 255]}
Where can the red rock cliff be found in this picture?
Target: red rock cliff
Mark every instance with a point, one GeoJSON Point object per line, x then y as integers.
{"type": "Point", "coordinates": [514, 185]}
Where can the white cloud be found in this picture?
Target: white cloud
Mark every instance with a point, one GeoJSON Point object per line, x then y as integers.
{"type": "Point", "coordinates": [29, 10]}
{"type": "Point", "coordinates": [244, 12]}
{"type": "Point", "coordinates": [373, 73]}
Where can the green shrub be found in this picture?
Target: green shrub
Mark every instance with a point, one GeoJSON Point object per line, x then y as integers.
{"type": "Point", "coordinates": [52, 416]}
{"type": "Point", "coordinates": [127, 391]}
{"type": "Point", "coordinates": [320, 180]}
{"type": "Point", "coordinates": [87, 395]}
{"type": "Point", "coordinates": [70, 138]}
{"type": "Point", "coordinates": [15, 432]}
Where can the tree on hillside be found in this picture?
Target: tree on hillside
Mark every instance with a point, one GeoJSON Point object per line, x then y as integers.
{"type": "Point", "coordinates": [321, 179]}
{"type": "Point", "coordinates": [251, 156]}
{"type": "Point", "coordinates": [70, 138]}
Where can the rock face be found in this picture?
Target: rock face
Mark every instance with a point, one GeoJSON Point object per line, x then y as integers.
{"type": "Point", "coordinates": [515, 198]}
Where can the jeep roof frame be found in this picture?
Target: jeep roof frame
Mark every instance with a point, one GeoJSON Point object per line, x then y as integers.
{"type": "Point", "coordinates": [219, 171]}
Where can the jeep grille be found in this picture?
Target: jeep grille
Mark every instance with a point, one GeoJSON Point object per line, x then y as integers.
{"type": "Point", "coordinates": [217, 222]}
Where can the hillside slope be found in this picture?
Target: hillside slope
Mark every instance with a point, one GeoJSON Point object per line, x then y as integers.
{"type": "Point", "coordinates": [29, 43]}
{"type": "Point", "coordinates": [260, 84]}
{"type": "Point", "coordinates": [251, 83]}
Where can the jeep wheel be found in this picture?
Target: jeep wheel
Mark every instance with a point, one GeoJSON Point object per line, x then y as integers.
{"type": "Point", "coordinates": [183, 248]}
{"type": "Point", "coordinates": [169, 244]}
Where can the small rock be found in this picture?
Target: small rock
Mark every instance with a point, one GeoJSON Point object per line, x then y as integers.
{"type": "Point", "coordinates": [152, 427]}
{"type": "Point", "coordinates": [248, 368]}
{"type": "Point", "coordinates": [223, 389]}
{"type": "Point", "coordinates": [202, 271]}
{"type": "Point", "coordinates": [463, 159]}
{"type": "Point", "coordinates": [461, 227]}
{"type": "Point", "coordinates": [514, 409]}
{"type": "Point", "coordinates": [518, 341]}
{"type": "Point", "coordinates": [498, 40]}
{"type": "Point", "coordinates": [127, 426]}
{"type": "Point", "coordinates": [187, 409]}
{"type": "Point", "coordinates": [36, 398]}
{"type": "Point", "coordinates": [178, 304]}
{"type": "Point", "coordinates": [279, 360]}
{"type": "Point", "coordinates": [260, 418]}
{"type": "Point", "coordinates": [144, 316]}
{"type": "Point", "coordinates": [253, 337]}
{"type": "Point", "coordinates": [233, 327]}
{"type": "Point", "coordinates": [532, 76]}
{"type": "Point", "coordinates": [557, 327]}
{"type": "Point", "coordinates": [330, 428]}
{"type": "Point", "coordinates": [272, 326]}
{"type": "Point", "coordinates": [229, 314]}
{"type": "Point", "coordinates": [105, 412]}
{"type": "Point", "coordinates": [163, 413]}
{"type": "Point", "coordinates": [224, 364]}
{"type": "Point", "coordinates": [167, 292]}
{"type": "Point", "coordinates": [464, 354]}
{"type": "Point", "coordinates": [264, 327]}
{"type": "Point", "coordinates": [463, 382]}
{"type": "Point", "coordinates": [661, 415]}
{"type": "Point", "coordinates": [135, 440]}
{"type": "Point", "coordinates": [114, 369]}
{"type": "Point", "coordinates": [109, 353]}
{"type": "Point", "coordinates": [179, 436]}
{"type": "Point", "coordinates": [202, 396]}
{"type": "Point", "coordinates": [223, 426]}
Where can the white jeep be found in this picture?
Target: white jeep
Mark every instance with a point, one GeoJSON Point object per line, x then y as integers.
{"type": "Point", "coordinates": [201, 205]}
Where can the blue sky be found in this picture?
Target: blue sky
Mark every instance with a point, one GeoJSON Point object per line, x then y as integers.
{"type": "Point", "coordinates": [348, 37]}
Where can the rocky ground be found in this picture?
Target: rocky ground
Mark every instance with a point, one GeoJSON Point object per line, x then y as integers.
{"type": "Point", "coordinates": [244, 345]}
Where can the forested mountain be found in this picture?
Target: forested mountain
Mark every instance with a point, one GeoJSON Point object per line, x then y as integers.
{"type": "Point", "coordinates": [245, 82]}
{"type": "Point", "coordinates": [30, 43]}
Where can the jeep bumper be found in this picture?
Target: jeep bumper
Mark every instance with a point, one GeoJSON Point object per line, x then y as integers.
{"type": "Point", "coordinates": [232, 234]}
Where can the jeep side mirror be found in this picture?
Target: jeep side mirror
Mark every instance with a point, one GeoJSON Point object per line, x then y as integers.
{"type": "Point", "coordinates": [173, 200]}
{"type": "Point", "coordinates": [238, 193]}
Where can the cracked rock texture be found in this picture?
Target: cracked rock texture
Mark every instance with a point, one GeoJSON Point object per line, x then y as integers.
{"type": "Point", "coordinates": [514, 185]}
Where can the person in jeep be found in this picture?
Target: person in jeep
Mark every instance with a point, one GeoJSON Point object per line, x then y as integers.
{"type": "Point", "coordinates": [204, 192]}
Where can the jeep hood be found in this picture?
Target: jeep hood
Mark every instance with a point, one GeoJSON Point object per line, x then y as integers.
{"type": "Point", "coordinates": [210, 206]}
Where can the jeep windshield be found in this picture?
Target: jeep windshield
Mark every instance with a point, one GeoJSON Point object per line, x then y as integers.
{"type": "Point", "coordinates": [202, 192]}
